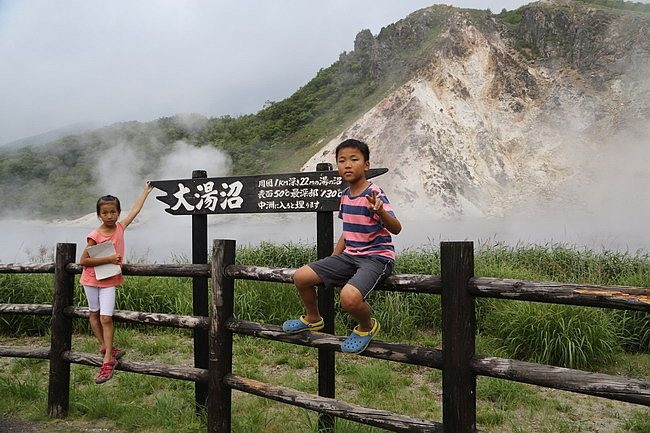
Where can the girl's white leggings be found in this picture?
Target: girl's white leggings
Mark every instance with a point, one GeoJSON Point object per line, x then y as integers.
{"type": "Point", "coordinates": [101, 299]}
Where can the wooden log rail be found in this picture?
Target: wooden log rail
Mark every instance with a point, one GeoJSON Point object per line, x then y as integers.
{"type": "Point", "coordinates": [157, 319]}
{"type": "Point", "coordinates": [616, 297]}
{"type": "Point", "coordinates": [149, 368]}
{"type": "Point", "coordinates": [374, 417]}
{"type": "Point", "coordinates": [25, 352]}
{"type": "Point", "coordinates": [150, 270]}
{"type": "Point", "coordinates": [27, 268]}
{"type": "Point", "coordinates": [409, 283]}
{"type": "Point", "coordinates": [27, 309]}
{"type": "Point", "coordinates": [620, 297]}
{"type": "Point", "coordinates": [415, 355]}
{"type": "Point", "coordinates": [567, 379]}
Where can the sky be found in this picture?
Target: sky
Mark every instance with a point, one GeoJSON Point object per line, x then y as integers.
{"type": "Point", "coordinates": [97, 62]}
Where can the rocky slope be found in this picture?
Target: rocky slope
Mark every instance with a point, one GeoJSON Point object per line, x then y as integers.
{"type": "Point", "coordinates": [500, 117]}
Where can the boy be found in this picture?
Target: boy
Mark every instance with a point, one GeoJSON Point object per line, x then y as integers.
{"type": "Point", "coordinates": [363, 256]}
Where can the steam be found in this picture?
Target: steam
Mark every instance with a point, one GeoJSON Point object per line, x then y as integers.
{"type": "Point", "coordinates": [186, 158]}
{"type": "Point", "coordinates": [117, 171]}
{"type": "Point", "coordinates": [603, 151]}
{"type": "Point", "coordinates": [608, 187]}
{"type": "Point", "coordinates": [124, 168]}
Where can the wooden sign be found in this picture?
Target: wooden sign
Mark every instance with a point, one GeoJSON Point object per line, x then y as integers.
{"type": "Point", "coordinates": [288, 192]}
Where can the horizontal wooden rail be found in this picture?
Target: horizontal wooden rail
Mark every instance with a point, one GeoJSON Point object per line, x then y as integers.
{"type": "Point", "coordinates": [27, 268]}
{"type": "Point", "coordinates": [31, 309]}
{"type": "Point", "coordinates": [620, 297]}
{"type": "Point", "coordinates": [156, 270]}
{"type": "Point", "coordinates": [159, 319]}
{"type": "Point", "coordinates": [415, 355]}
{"type": "Point", "coordinates": [411, 283]}
{"type": "Point", "coordinates": [260, 273]}
{"type": "Point", "coordinates": [567, 379]}
{"type": "Point", "coordinates": [374, 417]}
{"type": "Point", "coordinates": [25, 352]}
{"type": "Point", "coordinates": [162, 370]}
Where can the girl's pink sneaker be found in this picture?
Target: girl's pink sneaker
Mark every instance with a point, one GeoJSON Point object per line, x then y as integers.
{"type": "Point", "coordinates": [105, 371]}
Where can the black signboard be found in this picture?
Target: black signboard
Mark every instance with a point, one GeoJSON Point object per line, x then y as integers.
{"type": "Point", "coordinates": [315, 191]}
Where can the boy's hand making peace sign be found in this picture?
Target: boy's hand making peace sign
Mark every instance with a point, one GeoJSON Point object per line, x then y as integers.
{"type": "Point", "coordinates": [374, 203]}
{"type": "Point", "coordinates": [377, 206]}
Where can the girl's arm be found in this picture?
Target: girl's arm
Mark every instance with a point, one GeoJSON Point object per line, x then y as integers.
{"type": "Point", "coordinates": [86, 260]}
{"type": "Point", "coordinates": [137, 206]}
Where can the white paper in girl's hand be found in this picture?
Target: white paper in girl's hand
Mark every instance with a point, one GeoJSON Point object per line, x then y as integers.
{"type": "Point", "coordinates": [106, 270]}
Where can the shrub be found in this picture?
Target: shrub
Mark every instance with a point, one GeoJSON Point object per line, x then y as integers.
{"type": "Point", "coordinates": [287, 255]}
{"type": "Point", "coordinates": [634, 330]}
{"type": "Point", "coordinates": [567, 336]}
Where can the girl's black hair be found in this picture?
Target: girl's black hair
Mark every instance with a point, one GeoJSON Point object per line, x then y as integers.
{"type": "Point", "coordinates": [356, 144]}
{"type": "Point", "coordinates": [109, 199]}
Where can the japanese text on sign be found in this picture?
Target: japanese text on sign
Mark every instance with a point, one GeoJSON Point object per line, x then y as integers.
{"type": "Point", "coordinates": [209, 196]}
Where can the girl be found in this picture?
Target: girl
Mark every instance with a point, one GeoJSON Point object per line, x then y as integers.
{"type": "Point", "coordinates": [101, 293]}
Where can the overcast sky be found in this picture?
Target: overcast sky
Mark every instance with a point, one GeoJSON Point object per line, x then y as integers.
{"type": "Point", "coordinates": [72, 61]}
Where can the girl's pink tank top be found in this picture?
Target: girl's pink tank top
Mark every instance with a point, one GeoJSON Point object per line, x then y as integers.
{"type": "Point", "coordinates": [88, 277]}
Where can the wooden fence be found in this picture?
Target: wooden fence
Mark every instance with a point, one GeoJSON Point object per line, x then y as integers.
{"type": "Point", "coordinates": [458, 361]}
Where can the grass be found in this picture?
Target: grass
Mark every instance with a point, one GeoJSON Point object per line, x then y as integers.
{"type": "Point", "coordinates": [139, 403]}
{"type": "Point", "coordinates": [574, 337]}
{"type": "Point", "coordinates": [613, 342]}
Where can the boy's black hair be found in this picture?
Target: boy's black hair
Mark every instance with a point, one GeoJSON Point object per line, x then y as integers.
{"type": "Point", "coordinates": [356, 144]}
{"type": "Point", "coordinates": [108, 199]}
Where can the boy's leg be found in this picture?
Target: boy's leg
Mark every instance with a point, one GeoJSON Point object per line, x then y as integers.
{"type": "Point", "coordinates": [359, 339]}
{"type": "Point", "coordinates": [352, 301]}
{"type": "Point", "coordinates": [369, 274]}
{"type": "Point", "coordinates": [305, 280]}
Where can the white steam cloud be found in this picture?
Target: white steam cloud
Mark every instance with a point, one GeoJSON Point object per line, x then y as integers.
{"type": "Point", "coordinates": [123, 171]}
{"type": "Point", "coordinates": [186, 158]}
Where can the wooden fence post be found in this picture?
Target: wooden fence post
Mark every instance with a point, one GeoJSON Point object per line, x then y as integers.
{"type": "Point", "coordinates": [458, 334]}
{"type": "Point", "coordinates": [326, 356]}
{"type": "Point", "coordinates": [58, 392]}
{"type": "Point", "coordinates": [200, 298]}
{"type": "Point", "coordinates": [220, 365]}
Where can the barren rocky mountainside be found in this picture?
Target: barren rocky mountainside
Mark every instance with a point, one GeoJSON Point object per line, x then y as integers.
{"type": "Point", "coordinates": [551, 110]}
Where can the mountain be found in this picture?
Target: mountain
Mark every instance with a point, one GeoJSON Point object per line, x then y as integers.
{"type": "Point", "coordinates": [50, 136]}
{"type": "Point", "coordinates": [525, 107]}
{"type": "Point", "coordinates": [473, 113]}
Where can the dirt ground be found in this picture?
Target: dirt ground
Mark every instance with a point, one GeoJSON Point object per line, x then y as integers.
{"type": "Point", "coordinates": [13, 425]}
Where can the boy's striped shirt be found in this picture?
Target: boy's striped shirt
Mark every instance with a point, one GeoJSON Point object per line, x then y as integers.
{"type": "Point", "coordinates": [363, 231]}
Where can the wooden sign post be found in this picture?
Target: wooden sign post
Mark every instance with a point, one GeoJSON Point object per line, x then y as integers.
{"type": "Point", "coordinates": [200, 195]}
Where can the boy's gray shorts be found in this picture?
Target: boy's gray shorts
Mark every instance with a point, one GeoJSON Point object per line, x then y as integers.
{"type": "Point", "coordinates": [364, 273]}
